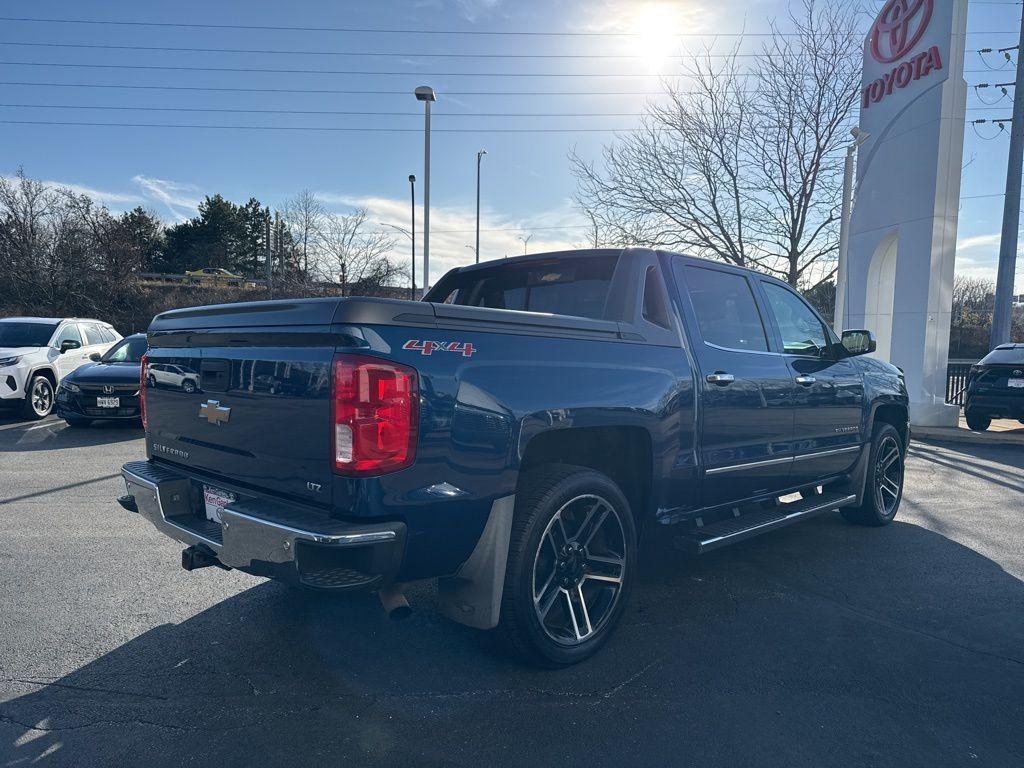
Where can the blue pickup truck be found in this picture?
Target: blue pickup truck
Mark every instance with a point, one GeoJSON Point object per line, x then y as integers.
{"type": "Point", "coordinates": [513, 436]}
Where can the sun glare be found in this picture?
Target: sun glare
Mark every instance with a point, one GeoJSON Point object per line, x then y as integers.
{"type": "Point", "coordinates": [657, 26]}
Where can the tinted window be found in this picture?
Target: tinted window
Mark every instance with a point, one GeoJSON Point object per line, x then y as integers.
{"type": "Point", "coordinates": [802, 331]}
{"type": "Point", "coordinates": [127, 351]}
{"type": "Point", "coordinates": [655, 301]}
{"type": "Point", "coordinates": [25, 334]}
{"type": "Point", "coordinates": [726, 310]}
{"type": "Point", "coordinates": [1008, 356]}
{"type": "Point", "coordinates": [576, 286]}
{"type": "Point", "coordinates": [68, 333]}
{"type": "Point", "coordinates": [93, 334]}
{"type": "Point", "coordinates": [107, 334]}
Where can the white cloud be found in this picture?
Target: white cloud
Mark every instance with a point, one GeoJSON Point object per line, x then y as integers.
{"type": "Point", "coordinates": [114, 200]}
{"type": "Point", "coordinates": [453, 228]}
{"type": "Point", "coordinates": [179, 200]}
{"type": "Point", "coordinates": [978, 241]}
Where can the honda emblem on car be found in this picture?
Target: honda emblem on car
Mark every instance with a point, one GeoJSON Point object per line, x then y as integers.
{"type": "Point", "coordinates": [107, 389]}
{"type": "Point", "coordinates": [214, 412]}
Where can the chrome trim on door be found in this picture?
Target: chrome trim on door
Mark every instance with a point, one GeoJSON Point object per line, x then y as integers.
{"type": "Point", "coordinates": [830, 452]}
{"type": "Point", "coordinates": [748, 465]}
{"type": "Point", "coordinates": [781, 460]}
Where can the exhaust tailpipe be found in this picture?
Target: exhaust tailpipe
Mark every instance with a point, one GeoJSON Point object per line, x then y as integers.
{"type": "Point", "coordinates": [392, 599]}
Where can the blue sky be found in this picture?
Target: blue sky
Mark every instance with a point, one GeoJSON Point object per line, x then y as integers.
{"type": "Point", "coordinates": [527, 187]}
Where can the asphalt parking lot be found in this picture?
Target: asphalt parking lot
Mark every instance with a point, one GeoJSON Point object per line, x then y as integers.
{"type": "Point", "coordinates": [819, 645]}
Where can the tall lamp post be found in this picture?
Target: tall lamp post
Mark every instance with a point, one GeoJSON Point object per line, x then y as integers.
{"type": "Point", "coordinates": [412, 236]}
{"type": "Point", "coordinates": [479, 157]}
{"type": "Point", "coordinates": [839, 318]}
{"type": "Point", "coordinates": [426, 94]}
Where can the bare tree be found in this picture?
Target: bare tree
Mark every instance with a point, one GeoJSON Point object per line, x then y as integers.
{"type": "Point", "coordinates": [358, 257]}
{"type": "Point", "coordinates": [304, 215]}
{"type": "Point", "coordinates": [740, 163]}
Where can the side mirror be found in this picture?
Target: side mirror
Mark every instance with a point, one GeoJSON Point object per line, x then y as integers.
{"type": "Point", "coordinates": [95, 357]}
{"type": "Point", "coordinates": [859, 342]}
{"type": "Point", "coordinates": [69, 344]}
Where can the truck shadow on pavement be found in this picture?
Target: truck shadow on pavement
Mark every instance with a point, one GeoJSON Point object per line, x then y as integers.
{"type": "Point", "coordinates": [831, 644]}
{"type": "Point", "coordinates": [17, 436]}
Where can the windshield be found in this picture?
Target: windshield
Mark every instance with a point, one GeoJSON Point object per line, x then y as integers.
{"type": "Point", "coordinates": [128, 350]}
{"type": "Point", "coordinates": [26, 334]}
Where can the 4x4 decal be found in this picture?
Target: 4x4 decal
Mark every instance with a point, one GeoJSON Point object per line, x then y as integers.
{"type": "Point", "coordinates": [429, 347]}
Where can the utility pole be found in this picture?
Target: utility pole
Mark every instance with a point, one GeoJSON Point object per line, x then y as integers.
{"type": "Point", "coordinates": [266, 253]}
{"type": "Point", "coordinates": [412, 234]}
{"type": "Point", "coordinates": [1003, 314]}
{"type": "Point", "coordinates": [479, 157]}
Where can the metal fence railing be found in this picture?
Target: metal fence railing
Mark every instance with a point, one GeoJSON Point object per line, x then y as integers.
{"type": "Point", "coordinates": [957, 372]}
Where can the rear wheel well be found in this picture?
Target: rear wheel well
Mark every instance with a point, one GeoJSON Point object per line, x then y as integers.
{"type": "Point", "coordinates": [621, 453]}
{"type": "Point", "coordinates": [895, 415]}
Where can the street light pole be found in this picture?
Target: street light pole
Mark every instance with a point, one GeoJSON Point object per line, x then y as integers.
{"type": "Point", "coordinates": [412, 210]}
{"type": "Point", "coordinates": [839, 316]}
{"type": "Point", "coordinates": [479, 156]}
{"type": "Point", "coordinates": [426, 94]}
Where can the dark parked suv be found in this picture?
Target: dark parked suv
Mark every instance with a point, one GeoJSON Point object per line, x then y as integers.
{"type": "Point", "coordinates": [995, 389]}
{"type": "Point", "coordinates": [513, 435]}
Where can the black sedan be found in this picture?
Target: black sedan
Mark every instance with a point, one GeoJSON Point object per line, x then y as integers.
{"type": "Point", "coordinates": [995, 389]}
{"type": "Point", "coordinates": [106, 389]}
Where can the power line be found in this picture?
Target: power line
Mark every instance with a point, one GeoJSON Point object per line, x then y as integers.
{"type": "Point", "coordinates": [328, 129]}
{"type": "Point", "coordinates": [375, 54]}
{"type": "Point", "coordinates": [342, 112]}
{"type": "Point", "coordinates": [334, 91]}
{"type": "Point", "coordinates": [360, 72]}
{"type": "Point", "coordinates": [407, 31]}
{"type": "Point", "coordinates": [353, 129]}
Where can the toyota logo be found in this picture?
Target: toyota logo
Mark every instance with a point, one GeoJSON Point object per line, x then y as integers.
{"type": "Point", "coordinates": [899, 27]}
{"type": "Point", "coordinates": [1018, 373]}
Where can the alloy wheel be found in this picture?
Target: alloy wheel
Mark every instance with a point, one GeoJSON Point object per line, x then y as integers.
{"type": "Point", "coordinates": [42, 396]}
{"type": "Point", "coordinates": [888, 476]}
{"type": "Point", "coordinates": [578, 570]}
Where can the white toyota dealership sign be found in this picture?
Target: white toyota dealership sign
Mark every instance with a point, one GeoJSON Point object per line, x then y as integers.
{"type": "Point", "coordinates": [903, 231]}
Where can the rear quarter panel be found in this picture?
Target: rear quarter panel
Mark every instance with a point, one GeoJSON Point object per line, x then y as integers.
{"type": "Point", "coordinates": [479, 413]}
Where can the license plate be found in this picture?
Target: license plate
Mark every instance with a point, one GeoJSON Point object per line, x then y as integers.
{"type": "Point", "coordinates": [108, 402]}
{"type": "Point", "coordinates": [1015, 383]}
{"type": "Point", "coordinates": [216, 500]}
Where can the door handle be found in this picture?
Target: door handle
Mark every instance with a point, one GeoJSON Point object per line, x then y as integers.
{"type": "Point", "coordinates": [720, 378]}
{"type": "Point", "coordinates": [805, 380]}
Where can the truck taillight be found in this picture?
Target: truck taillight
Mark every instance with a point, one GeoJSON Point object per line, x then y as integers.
{"type": "Point", "coordinates": [142, 389]}
{"type": "Point", "coordinates": [374, 414]}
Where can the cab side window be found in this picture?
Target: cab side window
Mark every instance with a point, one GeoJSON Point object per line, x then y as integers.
{"type": "Point", "coordinates": [801, 329]}
{"type": "Point", "coordinates": [93, 334]}
{"type": "Point", "coordinates": [727, 313]}
{"type": "Point", "coordinates": [68, 333]}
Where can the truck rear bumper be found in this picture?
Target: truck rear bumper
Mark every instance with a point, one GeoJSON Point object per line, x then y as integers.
{"type": "Point", "coordinates": [268, 537]}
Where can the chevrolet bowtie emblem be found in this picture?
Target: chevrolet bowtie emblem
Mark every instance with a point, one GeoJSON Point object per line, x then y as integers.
{"type": "Point", "coordinates": [214, 412]}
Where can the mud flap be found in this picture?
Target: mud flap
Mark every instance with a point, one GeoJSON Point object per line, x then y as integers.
{"type": "Point", "coordinates": [473, 595]}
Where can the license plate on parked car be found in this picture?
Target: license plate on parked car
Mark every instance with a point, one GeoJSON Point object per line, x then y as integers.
{"type": "Point", "coordinates": [216, 499]}
{"type": "Point", "coordinates": [108, 402]}
{"type": "Point", "coordinates": [1015, 383]}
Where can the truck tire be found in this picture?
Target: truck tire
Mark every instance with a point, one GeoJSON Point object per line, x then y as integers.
{"type": "Point", "coordinates": [976, 422]}
{"type": "Point", "coordinates": [39, 397]}
{"type": "Point", "coordinates": [883, 489]}
{"type": "Point", "coordinates": [571, 563]}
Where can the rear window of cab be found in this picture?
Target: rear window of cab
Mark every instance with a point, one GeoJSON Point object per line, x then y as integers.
{"type": "Point", "coordinates": [577, 287]}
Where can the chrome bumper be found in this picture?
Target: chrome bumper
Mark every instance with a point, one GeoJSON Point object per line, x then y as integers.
{"type": "Point", "coordinates": [268, 537]}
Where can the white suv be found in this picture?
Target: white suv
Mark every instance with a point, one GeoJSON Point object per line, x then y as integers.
{"type": "Point", "coordinates": [37, 352]}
